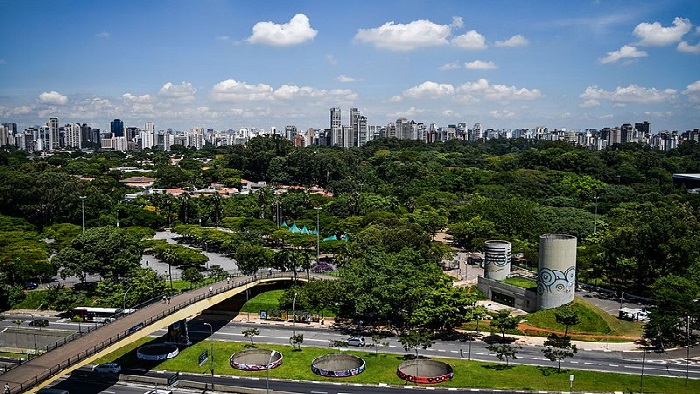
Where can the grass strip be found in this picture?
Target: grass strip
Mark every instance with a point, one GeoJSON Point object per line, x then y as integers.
{"type": "Point", "coordinates": [381, 368]}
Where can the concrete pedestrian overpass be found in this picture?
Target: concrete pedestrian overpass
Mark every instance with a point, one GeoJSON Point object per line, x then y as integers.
{"type": "Point", "coordinates": [81, 349]}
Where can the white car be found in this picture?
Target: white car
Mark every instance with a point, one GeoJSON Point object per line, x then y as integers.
{"type": "Point", "coordinates": [107, 368]}
{"type": "Point", "coordinates": [158, 391]}
{"type": "Point", "coordinates": [356, 341]}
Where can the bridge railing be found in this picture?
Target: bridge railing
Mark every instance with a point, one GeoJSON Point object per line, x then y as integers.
{"type": "Point", "coordinates": [121, 335]}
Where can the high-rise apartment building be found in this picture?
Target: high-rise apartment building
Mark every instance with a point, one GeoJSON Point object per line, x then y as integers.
{"type": "Point", "coordinates": [336, 127]}
{"type": "Point", "coordinates": [72, 135]}
{"type": "Point", "coordinates": [148, 135]}
{"type": "Point", "coordinates": [54, 135]}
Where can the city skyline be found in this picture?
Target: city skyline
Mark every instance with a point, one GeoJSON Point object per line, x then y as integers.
{"type": "Point", "coordinates": [234, 64]}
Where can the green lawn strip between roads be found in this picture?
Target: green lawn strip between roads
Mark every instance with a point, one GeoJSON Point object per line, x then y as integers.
{"type": "Point", "coordinates": [266, 301]}
{"type": "Point", "coordinates": [382, 368]}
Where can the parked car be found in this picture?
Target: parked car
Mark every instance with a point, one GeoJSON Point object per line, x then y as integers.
{"type": "Point", "coordinates": [30, 285]}
{"type": "Point", "coordinates": [356, 341]}
{"type": "Point", "coordinates": [158, 391]}
{"type": "Point", "coordinates": [107, 368]}
{"type": "Point", "coordinates": [39, 323]}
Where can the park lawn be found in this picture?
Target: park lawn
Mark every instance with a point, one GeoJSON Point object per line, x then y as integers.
{"type": "Point", "coordinates": [594, 321]}
{"type": "Point", "coordinates": [266, 301]}
{"type": "Point", "coordinates": [269, 301]}
{"type": "Point", "coordinates": [381, 368]}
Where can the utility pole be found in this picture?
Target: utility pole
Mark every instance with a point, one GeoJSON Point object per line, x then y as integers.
{"type": "Point", "coordinates": [211, 351]}
{"type": "Point", "coordinates": [82, 200]}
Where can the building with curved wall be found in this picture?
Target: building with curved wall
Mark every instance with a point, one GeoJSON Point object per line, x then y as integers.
{"type": "Point", "coordinates": [556, 275]}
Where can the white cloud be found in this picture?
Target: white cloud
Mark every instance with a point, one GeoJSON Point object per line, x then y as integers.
{"type": "Point", "coordinates": [515, 41]}
{"type": "Point", "coordinates": [345, 78]}
{"type": "Point", "coordinates": [232, 90]}
{"type": "Point", "coordinates": [631, 94]}
{"type": "Point", "coordinates": [223, 38]}
{"type": "Point", "coordinates": [182, 93]}
{"type": "Point", "coordinates": [53, 98]}
{"type": "Point", "coordinates": [395, 99]}
{"type": "Point", "coordinates": [500, 93]}
{"type": "Point", "coordinates": [103, 34]}
{"type": "Point", "coordinates": [480, 65]}
{"type": "Point", "coordinates": [332, 60]}
{"type": "Point", "coordinates": [296, 31]}
{"type": "Point", "coordinates": [405, 37]}
{"type": "Point", "coordinates": [505, 114]}
{"type": "Point", "coordinates": [288, 92]}
{"type": "Point", "coordinates": [653, 34]}
{"type": "Point", "coordinates": [450, 66]}
{"type": "Point", "coordinates": [626, 51]}
{"type": "Point", "coordinates": [430, 89]}
{"type": "Point", "coordinates": [590, 103]}
{"type": "Point", "coordinates": [457, 22]}
{"type": "Point", "coordinates": [683, 46]}
{"type": "Point", "coordinates": [693, 92]}
{"type": "Point", "coordinates": [470, 40]}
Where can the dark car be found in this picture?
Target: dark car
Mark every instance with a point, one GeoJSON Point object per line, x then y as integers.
{"type": "Point", "coordinates": [30, 285]}
{"type": "Point", "coordinates": [39, 323]}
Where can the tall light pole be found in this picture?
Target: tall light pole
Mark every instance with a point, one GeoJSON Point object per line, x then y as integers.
{"type": "Point", "coordinates": [294, 304]}
{"type": "Point", "coordinates": [318, 234]}
{"type": "Point", "coordinates": [125, 293]}
{"type": "Point", "coordinates": [595, 215]}
{"type": "Point", "coordinates": [211, 352]}
{"type": "Point", "coordinates": [82, 200]}
{"type": "Point", "coordinates": [269, 361]}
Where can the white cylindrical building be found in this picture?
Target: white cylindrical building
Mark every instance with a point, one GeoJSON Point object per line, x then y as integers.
{"type": "Point", "coordinates": [556, 276]}
{"type": "Point", "coordinates": [496, 259]}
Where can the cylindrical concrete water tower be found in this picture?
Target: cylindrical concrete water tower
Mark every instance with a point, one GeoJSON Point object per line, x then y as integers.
{"type": "Point", "coordinates": [496, 259]}
{"type": "Point", "coordinates": [556, 276]}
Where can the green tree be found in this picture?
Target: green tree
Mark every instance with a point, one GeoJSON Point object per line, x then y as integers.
{"type": "Point", "coordinates": [567, 317]}
{"type": "Point", "coordinates": [250, 333]}
{"type": "Point", "coordinates": [106, 251]}
{"type": "Point", "coordinates": [192, 275]}
{"type": "Point", "coordinates": [413, 339]}
{"type": "Point", "coordinates": [503, 321]}
{"type": "Point", "coordinates": [504, 351]}
{"type": "Point", "coordinates": [558, 348]}
{"type": "Point", "coordinates": [251, 258]}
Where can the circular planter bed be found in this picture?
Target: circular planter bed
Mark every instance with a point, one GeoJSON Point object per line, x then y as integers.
{"type": "Point", "coordinates": [157, 351]}
{"type": "Point", "coordinates": [256, 359]}
{"type": "Point", "coordinates": [338, 365]}
{"type": "Point", "coordinates": [425, 371]}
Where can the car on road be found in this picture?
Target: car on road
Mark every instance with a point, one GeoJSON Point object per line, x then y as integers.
{"type": "Point", "coordinates": [355, 341]}
{"type": "Point", "coordinates": [39, 323]}
{"type": "Point", "coordinates": [30, 285]}
{"type": "Point", "coordinates": [158, 391]}
{"type": "Point", "coordinates": [107, 368]}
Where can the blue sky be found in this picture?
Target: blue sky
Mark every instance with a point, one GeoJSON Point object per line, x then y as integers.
{"type": "Point", "coordinates": [232, 64]}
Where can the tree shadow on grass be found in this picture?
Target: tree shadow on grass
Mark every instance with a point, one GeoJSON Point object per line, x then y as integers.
{"type": "Point", "coordinates": [498, 367]}
{"type": "Point", "coordinates": [546, 371]}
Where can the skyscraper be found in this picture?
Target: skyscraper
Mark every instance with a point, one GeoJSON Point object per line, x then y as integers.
{"type": "Point", "coordinates": [117, 127]}
{"type": "Point", "coordinates": [54, 141]}
{"type": "Point", "coordinates": [336, 127]}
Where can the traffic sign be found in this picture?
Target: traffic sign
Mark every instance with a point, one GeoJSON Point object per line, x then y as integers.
{"type": "Point", "coordinates": [203, 357]}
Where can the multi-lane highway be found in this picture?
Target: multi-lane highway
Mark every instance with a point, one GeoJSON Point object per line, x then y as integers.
{"type": "Point", "coordinates": [671, 364]}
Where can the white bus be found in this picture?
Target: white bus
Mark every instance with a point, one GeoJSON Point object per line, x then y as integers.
{"type": "Point", "coordinates": [98, 315]}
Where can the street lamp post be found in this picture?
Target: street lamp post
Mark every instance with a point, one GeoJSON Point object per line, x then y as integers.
{"type": "Point", "coordinates": [294, 303]}
{"type": "Point", "coordinates": [125, 293]}
{"type": "Point", "coordinates": [269, 361]}
{"type": "Point", "coordinates": [641, 378]}
{"type": "Point", "coordinates": [687, 347]}
{"type": "Point", "coordinates": [595, 215]}
{"type": "Point", "coordinates": [82, 200]}
{"type": "Point", "coordinates": [211, 352]}
{"type": "Point", "coordinates": [318, 234]}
